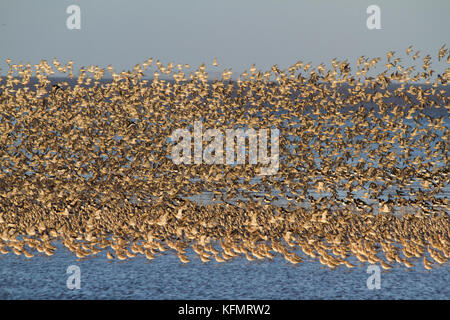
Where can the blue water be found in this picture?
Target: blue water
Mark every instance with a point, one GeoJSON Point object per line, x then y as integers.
{"type": "Point", "coordinates": [166, 277]}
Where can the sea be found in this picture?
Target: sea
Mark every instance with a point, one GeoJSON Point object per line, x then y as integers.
{"type": "Point", "coordinates": [166, 278]}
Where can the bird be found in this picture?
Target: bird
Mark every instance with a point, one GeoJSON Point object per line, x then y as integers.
{"type": "Point", "coordinates": [385, 266]}
{"type": "Point", "coordinates": [94, 162]}
{"type": "Point", "coordinates": [427, 264]}
{"type": "Point", "coordinates": [149, 255]}
{"type": "Point", "coordinates": [121, 256]}
{"type": "Point", "coordinates": [183, 258]}
{"type": "Point", "coordinates": [349, 264]}
{"type": "Point", "coordinates": [408, 50]}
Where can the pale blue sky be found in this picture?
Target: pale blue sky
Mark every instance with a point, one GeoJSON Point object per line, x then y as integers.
{"type": "Point", "coordinates": [237, 32]}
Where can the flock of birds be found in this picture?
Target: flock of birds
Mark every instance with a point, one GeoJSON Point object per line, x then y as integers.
{"type": "Point", "coordinates": [363, 163]}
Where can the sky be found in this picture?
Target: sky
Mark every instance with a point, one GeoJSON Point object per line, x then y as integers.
{"type": "Point", "coordinates": [238, 33]}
